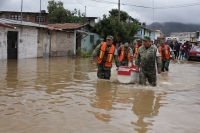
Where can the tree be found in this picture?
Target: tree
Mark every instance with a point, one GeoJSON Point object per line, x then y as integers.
{"type": "Point", "coordinates": [58, 14]}
{"type": "Point", "coordinates": [122, 32]}
{"type": "Point", "coordinates": [123, 15]}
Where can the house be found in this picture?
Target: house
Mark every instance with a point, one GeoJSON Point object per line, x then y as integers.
{"type": "Point", "coordinates": [184, 36]}
{"type": "Point", "coordinates": [68, 38]}
{"type": "Point", "coordinates": [19, 39]}
{"type": "Point", "coordinates": [34, 17]}
{"type": "Point", "coordinates": [143, 32]}
{"type": "Point", "coordinates": [155, 34]}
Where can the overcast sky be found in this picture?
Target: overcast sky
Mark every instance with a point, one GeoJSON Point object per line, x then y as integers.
{"type": "Point", "coordinates": [185, 11]}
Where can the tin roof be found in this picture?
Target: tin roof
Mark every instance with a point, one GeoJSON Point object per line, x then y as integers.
{"type": "Point", "coordinates": [66, 26]}
{"type": "Point", "coordinates": [18, 22]}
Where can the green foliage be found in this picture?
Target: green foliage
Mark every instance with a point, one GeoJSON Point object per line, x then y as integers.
{"type": "Point", "coordinates": [83, 52]}
{"type": "Point", "coordinates": [121, 31]}
{"type": "Point", "coordinates": [123, 15]}
{"type": "Point", "coordinates": [58, 14]}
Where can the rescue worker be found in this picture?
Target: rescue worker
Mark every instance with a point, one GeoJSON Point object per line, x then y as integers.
{"type": "Point", "coordinates": [146, 59]}
{"type": "Point", "coordinates": [105, 52]}
{"type": "Point", "coordinates": [135, 50]}
{"type": "Point", "coordinates": [125, 54]}
{"type": "Point", "coordinates": [165, 52]}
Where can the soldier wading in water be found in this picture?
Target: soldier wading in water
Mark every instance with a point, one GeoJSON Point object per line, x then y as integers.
{"type": "Point", "coordinates": [105, 52]}
{"type": "Point", "coordinates": [146, 58]}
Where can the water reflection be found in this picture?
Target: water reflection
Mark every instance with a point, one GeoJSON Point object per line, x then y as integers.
{"type": "Point", "coordinates": [145, 106]}
{"type": "Point", "coordinates": [103, 100]}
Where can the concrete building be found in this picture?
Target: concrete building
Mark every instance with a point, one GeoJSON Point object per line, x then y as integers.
{"type": "Point", "coordinates": [155, 34]}
{"type": "Point", "coordinates": [184, 36]}
{"type": "Point", "coordinates": [18, 40]}
{"type": "Point", "coordinates": [35, 17]}
{"type": "Point", "coordinates": [143, 32]}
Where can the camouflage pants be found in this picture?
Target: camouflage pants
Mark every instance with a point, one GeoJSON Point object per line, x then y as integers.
{"type": "Point", "coordinates": [150, 76]}
{"type": "Point", "coordinates": [103, 73]}
{"type": "Point", "coordinates": [165, 65]}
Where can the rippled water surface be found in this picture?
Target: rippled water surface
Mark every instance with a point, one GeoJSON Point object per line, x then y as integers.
{"type": "Point", "coordinates": [63, 95]}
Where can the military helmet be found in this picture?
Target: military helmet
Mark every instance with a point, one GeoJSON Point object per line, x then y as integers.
{"type": "Point", "coordinates": [126, 44]}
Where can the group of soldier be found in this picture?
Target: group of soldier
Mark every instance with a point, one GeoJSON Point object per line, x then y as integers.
{"type": "Point", "coordinates": [145, 55]}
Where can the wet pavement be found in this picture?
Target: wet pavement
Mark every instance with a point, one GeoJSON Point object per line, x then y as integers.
{"type": "Point", "coordinates": [63, 95]}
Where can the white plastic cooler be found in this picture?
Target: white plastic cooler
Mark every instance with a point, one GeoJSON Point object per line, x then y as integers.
{"type": "Point", "coordinates": [127, 74]}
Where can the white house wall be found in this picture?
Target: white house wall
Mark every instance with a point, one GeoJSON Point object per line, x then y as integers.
{"type": "Point", "coordinates": [62, 43]}
{"type": "Point", "coordinates": [3, 43]}
{"type": "Point", "coordinates": [27, 46]}
{"type": "Point", "coordinates": [44, 43]}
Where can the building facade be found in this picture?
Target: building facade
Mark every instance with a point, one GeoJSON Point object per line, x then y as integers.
{"type": "Point", "coordinates": [34, 17]}
{"type": "Point", "coordinates": [155, 34]}
{"type": "Point", "coordinates": [19, 42]}
{"type": "Point", "coordinates": [184, 36]}
{"type": "Point", "coordinates": [143, 32]}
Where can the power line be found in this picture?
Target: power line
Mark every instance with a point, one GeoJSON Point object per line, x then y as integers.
{"type": "Point", "coordinates": [80, 2]}
{"type": "Point", "coordinates": [165, 7]}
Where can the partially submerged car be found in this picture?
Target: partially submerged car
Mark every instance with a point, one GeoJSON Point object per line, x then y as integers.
{"type": "Point", "coordinates": [194, 53]}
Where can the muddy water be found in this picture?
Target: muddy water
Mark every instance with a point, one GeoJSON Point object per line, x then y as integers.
{"type": "Point", "coordinates": [63, 95]}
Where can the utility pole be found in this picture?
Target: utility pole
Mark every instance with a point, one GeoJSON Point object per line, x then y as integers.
{"type": "Point", "coordinates": [85, 16]}
{"type": "Point", "coordinates": [21, 10]}
{"type": "Point", "coordinates": [119, 10]}
{"type": "Point", "coordinates": [40, 13]}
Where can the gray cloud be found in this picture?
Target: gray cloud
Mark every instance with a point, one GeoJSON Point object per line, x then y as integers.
{"type": "Point", "coordinates": [97, 9]}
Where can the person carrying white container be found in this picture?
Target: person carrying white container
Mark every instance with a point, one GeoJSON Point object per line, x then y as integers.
{"type": "Point", "coordinates": [147, 58]}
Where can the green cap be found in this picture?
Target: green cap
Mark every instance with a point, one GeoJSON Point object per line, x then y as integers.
{"type": "Point", "coordinates": [109, 37]}
{"type": "Point", "coordinates": [126, 44]}
{"type": "Point", "coordinates": [147, 39]}
{"type": "Point", "coordinates": [139, 40]}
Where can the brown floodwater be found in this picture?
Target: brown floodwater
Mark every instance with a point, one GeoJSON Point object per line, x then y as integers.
{"type": "Point", "coordinates": [63, 95]}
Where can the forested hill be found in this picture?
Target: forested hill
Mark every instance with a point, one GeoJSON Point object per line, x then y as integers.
{"type": "Point", "coordinates": [169, 27]}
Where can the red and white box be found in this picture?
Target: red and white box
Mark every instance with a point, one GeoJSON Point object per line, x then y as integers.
{"type": "Point", "coordinates": [127, 74]}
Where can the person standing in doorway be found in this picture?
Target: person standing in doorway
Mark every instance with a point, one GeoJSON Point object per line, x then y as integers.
{"type": "Point", "coordinates": [165, 52]}
{"type": "Point", "coordinates": [105, 52]}
{"type": "Point", "coordinates": [147, 58]}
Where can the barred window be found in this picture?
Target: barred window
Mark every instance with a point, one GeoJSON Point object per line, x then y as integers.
{"type": "Point", "coordinates": [15, 17]}
{"type": "Point", "coordinates": [40, 18]}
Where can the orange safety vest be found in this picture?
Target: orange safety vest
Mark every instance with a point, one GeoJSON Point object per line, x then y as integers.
{"type": "Point", "coordinates": [121, 57]}
{"type": "Point", "coordinates": [136, 50]}
{"type": "Point", "coordinates": [109, 59]}
{"type": "Point", "coordinates": [167, 53]}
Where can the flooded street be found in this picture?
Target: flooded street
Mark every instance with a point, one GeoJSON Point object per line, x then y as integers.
{"type": "Point", "coordinates": [63, 95]}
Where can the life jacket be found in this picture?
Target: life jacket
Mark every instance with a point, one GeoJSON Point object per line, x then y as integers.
{"type": "Point", "coordinates": [110, 55]}
{"type": "Point", "coordinates": [167, 52]}
{"type": "Point", "coordinates": [136, 50]}
{"type": "Point", "coordinates": [121, 57]}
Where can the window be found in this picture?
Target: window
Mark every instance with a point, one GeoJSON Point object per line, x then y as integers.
{"type": "Point", "coordinates": [92, 38]}
{"type": "Point", "coordinates": [41, 18]}
{"type": "Point", "coordinates": [15, 17]}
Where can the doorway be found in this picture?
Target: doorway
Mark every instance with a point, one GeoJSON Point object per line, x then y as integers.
{"type": "Point", "coordinates": [12, 44]}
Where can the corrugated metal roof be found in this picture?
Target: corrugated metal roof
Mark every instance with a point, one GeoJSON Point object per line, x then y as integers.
{"type": "Point", "coordinates": [18, 22]}
{"type": "Point", "coordinates": [66, 26]}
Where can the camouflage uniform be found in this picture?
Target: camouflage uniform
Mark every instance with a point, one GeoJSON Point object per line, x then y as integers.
{"type": "Point", "coordinates": [147, 57]}
{"type": "Point", "coordinates": [125, 61]}
{"type": "Point", "coordinates": [104, 72]}
{"type": "Point", "coordinates": [165, 62]}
